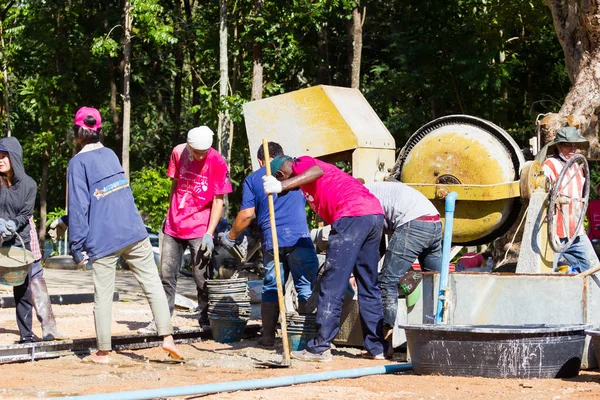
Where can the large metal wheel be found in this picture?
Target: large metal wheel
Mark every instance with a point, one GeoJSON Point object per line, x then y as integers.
{"type": "Point", "coordinates": [465, 150]}
{"type": "Point", "coordinates": [559, 202]}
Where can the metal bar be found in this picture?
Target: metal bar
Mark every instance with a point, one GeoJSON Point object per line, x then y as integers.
{"type": "Point", "coordinates": [69, 298]}
{"type": "Point", "coordinates": [470, 192]}
{"type": "Point", "coordinates": [59, 348]}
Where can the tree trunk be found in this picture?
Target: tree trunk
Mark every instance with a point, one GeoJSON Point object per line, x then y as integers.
{"type": "Point", "coordinates": [323, 76]}
{"type": "Point", "coordinates": [112, 79]}
{"type": "Point", "coordinates": [126, 90]}
{"type": "Point", "coordinates": [187, 6]}
{"type": "Point", "coordinates": [179, 59]}
{"type": "Point", "coordinates": [5, 80]}
{"type": "Point", "coordinates": [577, 26]}
{"type": "Point", "coordinates": [357, 24]}
{"type": "Point", "coordinates": [257, 63]}
{"type": "Point", "coordinates": [223, 130]}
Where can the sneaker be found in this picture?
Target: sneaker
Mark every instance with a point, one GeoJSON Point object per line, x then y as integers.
{"type": "Point", "coordinates": [150, 328]}
{"type": "Point", "coordinates": [305, 355]}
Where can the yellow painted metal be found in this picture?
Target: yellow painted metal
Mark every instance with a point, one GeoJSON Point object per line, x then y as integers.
{"type": "Point", "coordinates": [470, 192]}
{"type": "Point", "coordinates": [465, 156]}
{"type": "Point", "coordinates": [372, 164]}
{"type": "Point", "coordinates": [317, 121]}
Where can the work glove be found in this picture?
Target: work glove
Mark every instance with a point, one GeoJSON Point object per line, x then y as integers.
{"type": "Point", "coordinates": [7, 229]}
{"type": "Point", "coordinates": [207, 245]}
{"type": "Point", "coordinates": [81, 258]}
{"type": "Point", "coordinates": [226, 241]}
{"type": "Point", "coordinates": [271, 184]}
{"type": "Point", "coordinates": [57, 229]}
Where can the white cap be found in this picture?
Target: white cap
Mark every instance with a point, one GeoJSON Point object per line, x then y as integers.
{"type": "Point", "coordinates": [200, 138]}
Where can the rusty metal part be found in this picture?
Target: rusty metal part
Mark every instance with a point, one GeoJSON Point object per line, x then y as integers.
{"type": "Point", "coordinates": [478, 155]}
{"type": "Point", "coordinates": [532, 178]}
{"type": "Point", "coordinates": [60, 348]}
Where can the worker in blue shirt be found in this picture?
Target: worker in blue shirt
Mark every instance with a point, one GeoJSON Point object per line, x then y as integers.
{"type": "Point", "coordinates": [296, 251]}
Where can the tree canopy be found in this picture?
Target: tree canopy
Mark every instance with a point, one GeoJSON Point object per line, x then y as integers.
{"type": "Point", "coordinates": [421, 59]}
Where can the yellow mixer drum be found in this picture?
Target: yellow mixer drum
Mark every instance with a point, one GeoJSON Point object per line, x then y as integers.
{"type": "Point", "coordinates": [461, 149]}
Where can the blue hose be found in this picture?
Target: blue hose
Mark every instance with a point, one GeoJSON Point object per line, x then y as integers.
{"type": "Point", "coordinates": [446, 247]}
{"type": "Point", "coordinates": [245, 385]}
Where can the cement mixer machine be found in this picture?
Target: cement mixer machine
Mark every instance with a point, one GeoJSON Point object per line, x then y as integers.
{"type": "Point", "coordinates": [497, 190]}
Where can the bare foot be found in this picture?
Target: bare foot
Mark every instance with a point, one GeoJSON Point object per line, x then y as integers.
{"type": "Point", "coordinates": [168, 345]}
{"type": "Point", "coordinates": [100, 357]}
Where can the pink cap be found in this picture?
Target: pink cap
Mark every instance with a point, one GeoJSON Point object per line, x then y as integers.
{"type": "Point", "coordinates": [84, 112]}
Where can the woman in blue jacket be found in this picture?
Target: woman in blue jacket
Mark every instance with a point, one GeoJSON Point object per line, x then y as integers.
{"type": "Point", "coordinates": [104, 223]}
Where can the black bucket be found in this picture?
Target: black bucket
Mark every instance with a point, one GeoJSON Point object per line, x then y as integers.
{"type": "Point", "coordinates": [594, 334]}
{"type": "Point", "coordinates": [301, 328]}
{"type": "Point", "coordinates": [228, 308]}
{"type": "Point", "coordinates": [497, 351]}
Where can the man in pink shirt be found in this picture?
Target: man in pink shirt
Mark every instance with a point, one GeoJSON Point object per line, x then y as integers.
{"type": "Point", "coordinates": [356, 219]}
{"type": "Point", "coordinates": [200, 180]}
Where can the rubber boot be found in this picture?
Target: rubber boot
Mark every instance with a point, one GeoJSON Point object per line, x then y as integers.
{"type": "Point", "coordinates": [269, 315]}
{"type": "Point", "coordinates": [43, 308]}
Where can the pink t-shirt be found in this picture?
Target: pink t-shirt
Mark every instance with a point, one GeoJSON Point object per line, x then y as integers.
{"type": "Point", "coordinates": [197, 184]}
{"type": "Point", "coordinates": [336, 194]}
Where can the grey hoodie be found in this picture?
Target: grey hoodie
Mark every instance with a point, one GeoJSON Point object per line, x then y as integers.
{"type": "Point", "coordinates": [17, 201]}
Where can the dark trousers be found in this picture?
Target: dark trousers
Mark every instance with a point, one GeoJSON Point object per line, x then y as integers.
{"type": "Point", "coordinates": [172, 253]}
{"type": "Point", "coordinates": [413, 240]}
{"type": "Point", "coordinates": [353, 247]}
{"type": "Point", "coordinates": [23, 304]}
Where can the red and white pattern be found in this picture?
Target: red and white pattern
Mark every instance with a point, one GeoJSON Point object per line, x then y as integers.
{"type": "Point", "coordinates": [573, 182]}
{"type": "Point", "coordinates": [34, 242]}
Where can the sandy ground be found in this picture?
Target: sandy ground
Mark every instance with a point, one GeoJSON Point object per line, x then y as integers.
{"type": "Point", "coordinates": [211, 362]}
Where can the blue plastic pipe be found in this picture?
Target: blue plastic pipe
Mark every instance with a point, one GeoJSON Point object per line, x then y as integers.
{"type": "Point", "coordinates": [446, 247]}
{"type": "Point", "coordinates": [246, 385]}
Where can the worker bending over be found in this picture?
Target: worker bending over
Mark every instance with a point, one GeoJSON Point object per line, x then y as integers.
{"type": "Point", "coordinates": [416, 230]}
{"type": "Point", "coordinates": [353, 247]}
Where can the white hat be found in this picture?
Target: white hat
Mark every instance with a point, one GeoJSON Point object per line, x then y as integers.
{"type": "Point", "coordinates": [200, 138]}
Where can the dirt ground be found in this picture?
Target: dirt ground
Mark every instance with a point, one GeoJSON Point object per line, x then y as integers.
{"type": "Point", "coordinates": [211, 362]}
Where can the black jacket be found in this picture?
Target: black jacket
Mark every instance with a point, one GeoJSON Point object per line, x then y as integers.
{"type": "Point", "coordinates": [17, 201]}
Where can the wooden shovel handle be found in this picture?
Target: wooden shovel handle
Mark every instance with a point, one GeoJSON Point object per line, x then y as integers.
{"type": "Point", "coordinates": [589, 272]}
{"type": "Point", "coordinates": [280, 295]}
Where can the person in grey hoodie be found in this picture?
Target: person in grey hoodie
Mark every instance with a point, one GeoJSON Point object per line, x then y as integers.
{"type": "Point", "coordinates": [17, 199]}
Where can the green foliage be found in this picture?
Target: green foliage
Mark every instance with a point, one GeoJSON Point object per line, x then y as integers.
{"type": "Point", "coordinates": [421, 59]}
{"type": "Point", "coordinates": [151, 188]}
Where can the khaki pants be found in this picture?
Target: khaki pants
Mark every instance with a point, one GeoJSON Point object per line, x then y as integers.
{"type": "Point", "coordinates": [140, 259]}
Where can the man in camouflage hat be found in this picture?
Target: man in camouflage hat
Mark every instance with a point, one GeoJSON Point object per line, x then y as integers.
{"type": "Point", "coordinates": [580, 255]}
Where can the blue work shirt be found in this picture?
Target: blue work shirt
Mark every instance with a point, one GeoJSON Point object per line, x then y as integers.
{"type": "Point", "coordinates": [290, 214]}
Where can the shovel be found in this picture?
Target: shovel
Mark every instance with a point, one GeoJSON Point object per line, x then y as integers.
{"type": "Point", "coordinates": [285, 362]}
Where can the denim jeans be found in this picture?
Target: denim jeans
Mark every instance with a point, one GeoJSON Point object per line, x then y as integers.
{"type": "Point", "coordinates": [580, 255]}
{"type": "Point", "coordinates": [301, 260]}
{"type": "Point", "coordinates": [353, 247]}
{"type": "Point", "coordinates": [172, 252]}
{"type": "Point", "coordinates": [413, 240]}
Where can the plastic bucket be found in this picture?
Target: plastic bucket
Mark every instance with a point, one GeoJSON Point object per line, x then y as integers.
{"type": "Point", "coordinates": [15, 263]}
{"type": "Point", "coordinates": [300, 330]}
{"type": "Point", "coordinates": [497, 351]}
{"type": "Point", "coordinates": [227, 330]}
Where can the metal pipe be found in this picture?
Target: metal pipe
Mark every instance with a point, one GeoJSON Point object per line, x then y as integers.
{"type": "Point", "coordinates": [446, 247]}
{"type": "Point", "coordinates": [245, 385]}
